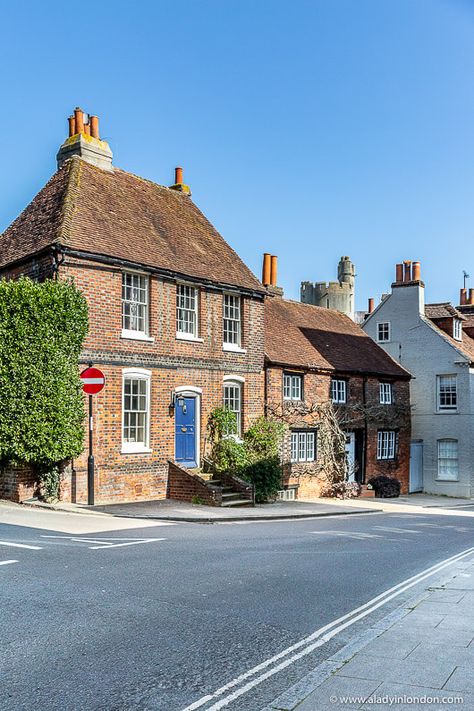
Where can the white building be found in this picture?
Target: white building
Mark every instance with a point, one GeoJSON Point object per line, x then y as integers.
{"type": "Point", "coordinates": [428, 340]}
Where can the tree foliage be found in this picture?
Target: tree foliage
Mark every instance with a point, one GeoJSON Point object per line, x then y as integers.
{"type": "Point", "coordinates": [42, 329]}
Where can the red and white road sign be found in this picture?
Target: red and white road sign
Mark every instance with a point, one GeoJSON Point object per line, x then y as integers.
{"type": "Point", "coordinates": [93, 380]}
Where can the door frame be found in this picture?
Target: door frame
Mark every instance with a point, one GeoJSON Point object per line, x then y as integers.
{"type": "Point", "coordinates": [352, 437]}
{"type": "Point", "coordinates": [416, 443]}
{"type": "Point", "coordinates": [196, 393]}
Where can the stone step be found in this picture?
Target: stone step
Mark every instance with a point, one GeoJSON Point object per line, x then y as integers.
{"type": "Point", "coordinates": [237, 502]}
{"type": "Point", "coordinates": [231, 495]}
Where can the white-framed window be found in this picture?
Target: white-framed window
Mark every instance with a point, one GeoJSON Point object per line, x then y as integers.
{"type": "Point", "coordinates": [292, 386]}
{"type": "Point", "coordinates": [187, 306]}
{"type": "Point", "coordinates": [448, 466]}
{"type": "Point", "coordinates": [386, 444]}
{"type": "Point", "coordinates": [385, 393]}
{"type": "Point", "coordinates": [136, 410]}
{"type": "Point", "coordinates": [447, 392]}
{"type": "Point", "coordinates": [383, 331]}
{"type": "Point", "coordinates": [232, 320]}
{"type": "Point", "coordinates": [303, 446]}
{"type": "Point", "coordinates": [135, 288]}
{"type": "Point", "coordinates": [338, 391]}
{"type": "Point", "coordinates": [233, 402]}
{"type": "Point", "coordinates": [457, 329]}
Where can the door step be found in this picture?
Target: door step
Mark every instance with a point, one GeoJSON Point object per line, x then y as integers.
{"type": "Point", "coordinates": [236, 502]}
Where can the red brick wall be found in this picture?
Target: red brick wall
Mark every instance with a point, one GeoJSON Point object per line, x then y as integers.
{"type": "Point", "coordinates": [317, 390]}
{"type": "Point", "coordinates": [18, 482]}
{"type": "Point", "coordinates": [184, 485]}
{"type": "Point", "coordinates": [172, 364]}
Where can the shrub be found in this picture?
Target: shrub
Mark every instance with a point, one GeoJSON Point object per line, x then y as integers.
{"type": "Point", "coordinates": [228, 455]}
{"type": "Point", "coordinates": [42, 328]}
{"type": "Point", "coordinates": [265, 475]}
{"type": "Point", "coordinates": [385, 487]}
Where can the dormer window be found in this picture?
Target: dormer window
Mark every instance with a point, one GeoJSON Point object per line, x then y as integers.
{"type": "Point", "coordinates": [457, 329]}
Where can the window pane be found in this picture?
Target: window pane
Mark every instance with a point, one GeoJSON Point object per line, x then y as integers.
{"type": "Point", "coordinates": [134, 302]}
{"type": "Point", "coordinates": [232, 319]}
{"type": "Point", "coordinates": [233, 402]}
{"type": "Point", "coordinates": [186, 309]}
{"type": "Point", "coordinates": [448, 466]}
{"type": "Point", "coordinates": [135, 410]}
{"type": "Point", "coordinates": [447, 392]}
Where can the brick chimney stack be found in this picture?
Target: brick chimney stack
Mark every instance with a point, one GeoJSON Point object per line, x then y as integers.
{"type": "Point", "coordinates": [84, 141]}
{"type": "Point", "coordinates": [408, 273]}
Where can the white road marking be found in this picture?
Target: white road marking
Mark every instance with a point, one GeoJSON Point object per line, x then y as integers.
{"type": "Point", "coordinates": [107, 542]}
{"type": "Point", "coordinates": [7, 562]}
{"type": "Point", "coordinates": [395, 530]}
{"type": "Point", "coordinates": [349, 534]}
{"type": "Point", "coordinates": [322, 635]}
{"type": "Point", "coordinates": [20, 545]}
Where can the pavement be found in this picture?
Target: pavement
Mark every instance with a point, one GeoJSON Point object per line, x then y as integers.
{"type": "Point", "coordinates": [169, 510]}
{"type": "Point", "coordinates": [420, 656]}
{"type": "Point", "coordinates": [171, 616]}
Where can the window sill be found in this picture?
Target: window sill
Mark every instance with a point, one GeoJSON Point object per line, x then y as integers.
{"type": "Point", "coordinates": [447, 481]}
{"type": "Point", "coordinates": [136, 336]}
{"type": "Point", "coordinates": [447, 411]}
{"type": "Point", "coordinates": [188, 337]}
{"type": "Point", "coordinates": [139, 449]}
{"type": "Point", "coordinates": [231, 348]}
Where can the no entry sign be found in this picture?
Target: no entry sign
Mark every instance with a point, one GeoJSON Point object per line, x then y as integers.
{"type": "Point", "coordinates": [93, 380]}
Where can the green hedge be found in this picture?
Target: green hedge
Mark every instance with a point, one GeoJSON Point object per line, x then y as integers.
{"type": "Point", "coordinates": [42, 329]}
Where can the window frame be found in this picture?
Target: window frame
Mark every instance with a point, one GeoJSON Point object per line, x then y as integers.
{"type": "Point", "coordinates": [186, 335]}
{"type": "Point", "coordinates": [338, 382]}
{"type": "Point", "coordinates": [439, 406]}
{"type": "Point", "coordinates": [132, 333]}
{"type": "Point", "coordinates": [443, 441]}
{"type": "Point", "coordinates": [457, 329]}
{"type": "Point", "coordinates": [232, 345]}
{"type": "Point", "coordinates": [385, 393]}
{"type": "Point", "coordinates": [299, 436]}
{"type": "Point", "coordinates": [137, 447]}
{"type": "Point", "coordinates": [389, 331]}
{"type": "Point", "coordinates": [390, 446]}
{"type": "Point", "coordinates": [293, 377]}
{"type": "Point", "coordinates": [237, 383]}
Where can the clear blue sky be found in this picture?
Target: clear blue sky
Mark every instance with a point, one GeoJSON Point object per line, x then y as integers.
{"type": "Point", "coordinates": [309, 129]}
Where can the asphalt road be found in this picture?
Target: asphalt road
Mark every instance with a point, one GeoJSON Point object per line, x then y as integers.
{"type": "Point", "coordinates": [89, 623]}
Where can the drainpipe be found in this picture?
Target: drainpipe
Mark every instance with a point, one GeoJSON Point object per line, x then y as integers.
{"type": "Point", "coordinates": [364, 401]}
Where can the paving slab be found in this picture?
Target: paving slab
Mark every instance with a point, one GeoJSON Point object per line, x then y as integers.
{"type": "Point", "coordinates": [333, 691]}
{"type": "Point", "coordinates": [403, 697]}
{"type": "Point", "coordinates": [363, 666]}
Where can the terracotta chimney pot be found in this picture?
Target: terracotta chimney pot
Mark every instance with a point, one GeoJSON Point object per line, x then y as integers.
{"type": "Point", "coordinates": [416, 271]}
{"type": "Point", "coordinates": [79, 117]}
{"type": "Point", "coordinates": [274, 270]}
{"type": "Point", "coordinates": [462, 297]}
{"type": "Point", "coordinates": [87, 129]}
{"type": "Point", "coordinates": [178, 176]}
{"type": "Point", "coordinates": [266, 269]}
{"type": "Point", "coordinates": [399, 273]}
{"type": "Point", "coordinates": [407, 270]}
{"type": "Point", "coordinates": [72, 125]}
{"type": "Point", "coordinates": [471, 297]}
{"type": "Point", "coordinates": [371, 305]}
{"type": "Point", "coordinates": [94, 124]}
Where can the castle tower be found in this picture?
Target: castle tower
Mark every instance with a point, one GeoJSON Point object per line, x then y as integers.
{"type": "Point", "coordinates": [339, 295]}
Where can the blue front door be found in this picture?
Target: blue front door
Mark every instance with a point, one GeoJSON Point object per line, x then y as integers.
{"type": "Point", "coordinates": [185, 428]}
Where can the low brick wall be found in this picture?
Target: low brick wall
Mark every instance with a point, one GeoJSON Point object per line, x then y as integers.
{"type": "Point", "coordinates": [18, 482]}
{"type": "Point", "coordinates": [183, 485]}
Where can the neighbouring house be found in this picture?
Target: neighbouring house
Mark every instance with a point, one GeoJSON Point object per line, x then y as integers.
{"type": "Point", "coordinates": [433, 343]}
{"type": "Point", "coordinates": [315, 355]}
{"type": "Point", "coordinates": [176, 317]}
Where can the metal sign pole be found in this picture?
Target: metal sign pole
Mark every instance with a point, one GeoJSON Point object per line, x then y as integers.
{"type": "Point", "coordinates": [90, 461]}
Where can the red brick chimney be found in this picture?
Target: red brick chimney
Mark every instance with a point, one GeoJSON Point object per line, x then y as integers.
{"type": "Point", "coordinates": [371, 305]}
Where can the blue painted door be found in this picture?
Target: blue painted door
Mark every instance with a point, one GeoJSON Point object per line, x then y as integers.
{"type": "Point", "coordinates": [185, 431]}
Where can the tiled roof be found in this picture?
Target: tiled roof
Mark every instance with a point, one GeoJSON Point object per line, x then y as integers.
{"type": "Point", "coordinates": [308, 336]}
{"type": "Point", "coordinates": [444, 310]}
{"type": "Point", "coordinates": [119, 215]}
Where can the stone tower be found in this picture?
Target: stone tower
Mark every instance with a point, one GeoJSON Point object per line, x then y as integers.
{"type": "Point", "coordinates": [337, 295]}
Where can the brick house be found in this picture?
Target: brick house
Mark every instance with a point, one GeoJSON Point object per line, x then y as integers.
{"type": "Point", "coordinates": [313, 355]}
{"type": "Point", "coordinates": [176, 317]}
